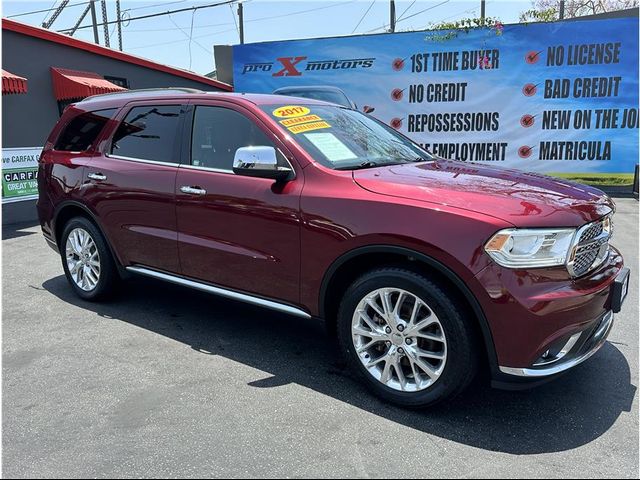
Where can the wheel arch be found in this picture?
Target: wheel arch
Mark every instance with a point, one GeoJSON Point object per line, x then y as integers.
{"type": "Point", "coordinates": [70, 209]}
{"type": "Point", "coordinates": [344, 270]}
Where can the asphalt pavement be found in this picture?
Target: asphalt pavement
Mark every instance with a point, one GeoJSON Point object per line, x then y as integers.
{"type": "Point", "coordinates": [168, 382]}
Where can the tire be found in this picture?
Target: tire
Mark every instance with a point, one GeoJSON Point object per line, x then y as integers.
{"type": "Point", "coordinates": [85, 282]}
{"type": "Point", "coordinates": [449, 341]}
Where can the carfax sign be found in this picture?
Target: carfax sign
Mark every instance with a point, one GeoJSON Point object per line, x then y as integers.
{"type": "Point", "coordinates": [20, 173]}
{"type": "Point", "coordinates": [556, 98]}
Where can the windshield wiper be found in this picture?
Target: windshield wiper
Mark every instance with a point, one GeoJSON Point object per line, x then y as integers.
{"type": "Point", "coordinates": [367, 164]}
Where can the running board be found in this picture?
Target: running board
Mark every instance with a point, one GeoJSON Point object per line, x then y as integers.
{"type": "Point", "coordinates": [243, 297]}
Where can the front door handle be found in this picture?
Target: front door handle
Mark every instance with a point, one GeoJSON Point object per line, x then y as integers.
{"type": "Point", "coordinates": [193, 190]}
{"type": "Point", "coordinates": [97, 176]}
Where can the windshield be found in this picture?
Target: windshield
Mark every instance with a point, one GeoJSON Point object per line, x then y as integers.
{"type": "Point", "coordinates": [322, 95]}
{"type": "Point", "coordinates": [345, 139]}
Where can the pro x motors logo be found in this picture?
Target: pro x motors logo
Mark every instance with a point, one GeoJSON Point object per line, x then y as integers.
{"type": "Point", "coordinates": [296, 66]}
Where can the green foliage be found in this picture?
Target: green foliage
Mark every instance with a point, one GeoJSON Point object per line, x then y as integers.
{"type": "Point", "coordinates": [610, 179]}
{"type": "Point", "coordinates": [547, 15]}
{"type": "Point", "coordinates": [452, 29]}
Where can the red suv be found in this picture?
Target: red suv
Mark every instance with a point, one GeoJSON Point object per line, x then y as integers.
{"type": "Point", "coordinates": [428, 270]}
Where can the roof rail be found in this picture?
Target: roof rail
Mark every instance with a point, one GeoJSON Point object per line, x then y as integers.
{"type": "Point", "coordinates": [164, 90]}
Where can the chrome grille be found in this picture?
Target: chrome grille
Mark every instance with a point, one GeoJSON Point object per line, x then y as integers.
{"type": "Point", "coordinates": [591, 232]}
{"type": "Point", "coordinates": [591, 247]}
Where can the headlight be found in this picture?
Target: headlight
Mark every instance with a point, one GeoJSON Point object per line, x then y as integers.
{"type": "Point", "coordinates": [529, 248]}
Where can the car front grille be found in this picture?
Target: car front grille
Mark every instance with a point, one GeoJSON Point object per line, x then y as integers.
{"type": "Point", "coordinates": [591, 247]}
{"type": "Point", "coordinates": [592, 231]}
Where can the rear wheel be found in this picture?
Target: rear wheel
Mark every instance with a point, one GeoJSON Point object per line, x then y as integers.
{"type": "Point", "coordinates": [87, 261]}
{"type": "Point", "coordinates": [406, 338]}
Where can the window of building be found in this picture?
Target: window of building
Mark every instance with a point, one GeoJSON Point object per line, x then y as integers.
{"type": "Point", "coordinates": [81, 132]}
{"type": "Point", "coordinates": [217, 134]}
{"type": "Point", "coordinates": [148, 133]}
{"type": "Point", "coordinates": [121, 82]}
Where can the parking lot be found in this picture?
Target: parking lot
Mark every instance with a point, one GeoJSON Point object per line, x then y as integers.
{"type": "Point", "coordinates": [167, 382]}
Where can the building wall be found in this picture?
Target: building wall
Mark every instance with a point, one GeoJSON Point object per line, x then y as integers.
{"type": "Point", "coordinates": [28, 118]}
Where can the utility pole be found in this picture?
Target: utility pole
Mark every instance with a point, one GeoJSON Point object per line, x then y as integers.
{"type": "Point", "coordinates": [55, 14]}
{"type": "Point", "coordinates": [483, 5]}
{"type": "Point", "coordinates": [119, 24]}
{"type": "Point", "coordinates": [84, 14]}
{"type": "Point", "coordinates": [561, 9]}
{"type": "Point", "coordinates": [241, 22]}
{"type": "Point", "coordinates": [94, 20]}
{"type": "Point", "coordinates": [105, 22]}
{"type": "Point", "coordinates": [392, 16]}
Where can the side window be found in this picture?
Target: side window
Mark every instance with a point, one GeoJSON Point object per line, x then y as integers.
{"type": "Point", "coordinates": [148, 133]}
{"type": "Point", "coordinates": [80, 133]}
{"type": "Point", "coordinates": [218, 132]}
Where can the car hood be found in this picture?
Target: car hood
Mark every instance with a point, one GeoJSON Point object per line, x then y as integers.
{"type": "Point", "coordinates": [523, 199]}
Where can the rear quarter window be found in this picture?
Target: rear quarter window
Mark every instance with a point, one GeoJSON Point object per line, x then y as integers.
{"type": "Point", "coordinates": [82, 131]}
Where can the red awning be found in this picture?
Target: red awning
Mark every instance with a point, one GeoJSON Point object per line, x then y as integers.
{"type": "Point", "coordinates": [73, 84]}
{"type": "Point", "coordinates": [13, 83]}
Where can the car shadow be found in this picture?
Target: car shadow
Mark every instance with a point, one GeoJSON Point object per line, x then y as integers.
{"type": "Point", "coordinates": [17, 230]}
{"type": "Point", "coordinates": [557, 416]}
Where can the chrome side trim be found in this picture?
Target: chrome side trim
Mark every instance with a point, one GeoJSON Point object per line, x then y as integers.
{"type": "Point", "coordinates": [142, 160]}
{"type": "Point", "coordinates": [223, 292]}
{"type": "Point", "coordinates": [600, 337]}
{"type": "Point", "coordinates": [206, 169]}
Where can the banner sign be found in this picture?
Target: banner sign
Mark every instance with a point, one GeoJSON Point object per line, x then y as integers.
{"type": "Point", "coordinates": [559, 97]}
{"type": "Point", "coordinates": [20, 173]}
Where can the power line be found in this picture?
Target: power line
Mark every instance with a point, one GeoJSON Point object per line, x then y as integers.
{"type": "Point", "coordinates": [183, 40]}
{"type": "Point", "coordinates": [46, 10]}
{"type": "Point", "coordinates": [178, 27]}
{"type": "Point", "coordinates": [50, 9]}
{"type": "Point", "coordinates": [362, 18]}
{"type": "Point", "coordinates": [410, 16]}
{"type": "Point", "coordinates": [426, 9]}
{"type": "Point", "coordinates": [260, 19]}
{"type": "Point", "coordinates": [189, 37]}
{"type": "Point", "coordinates": [301, 11]}
{"type": "Point", "coordinates": [152, 15]}
{"type": "Point", "coordinates": [460, 13]}
{"type": "Point", "coordinates": [406, 10]}
{"type": "Point", "coordinates": [234, 19]}
{"type": "Point", "coordinates": [164, 4]}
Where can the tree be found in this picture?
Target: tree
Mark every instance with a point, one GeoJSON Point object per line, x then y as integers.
{"type": "Point", "coordinates": [548, 10]}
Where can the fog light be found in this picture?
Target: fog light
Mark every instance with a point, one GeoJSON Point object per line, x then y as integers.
{"type": "Point", "coordinates": [558, 351]}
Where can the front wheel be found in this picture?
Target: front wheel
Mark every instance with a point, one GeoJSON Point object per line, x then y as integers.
{"type": "Point", "coordinates": [406, 337]}
{"type": "Point", "coordinates": [87, 261]}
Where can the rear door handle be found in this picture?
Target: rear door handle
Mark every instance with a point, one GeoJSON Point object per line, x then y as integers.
{"type": "Point", "coordinates": [97, 176]}
{"type": "Point", "coordinates": [193, 190]}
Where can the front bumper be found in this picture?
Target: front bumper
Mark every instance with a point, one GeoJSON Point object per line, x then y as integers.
{"type": "Point", "coordinates": [543, 322]}
{"type": "Point", "coordinates": [585, 345]}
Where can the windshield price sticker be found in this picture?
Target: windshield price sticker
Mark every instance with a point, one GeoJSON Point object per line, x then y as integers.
{"type": "Point", "coordinates": [331, 146]}
{"type": "Point", "coordinates": [307, 127]}
{"type": "Point", "coordinates": [290, 111]}
{"type": "Point", "coordinates": [298, 120]}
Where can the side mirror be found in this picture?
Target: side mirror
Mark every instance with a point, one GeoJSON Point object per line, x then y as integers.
{"type": "Point", "coordinates": [259, 162]}
{"type": "Point", "coordinates": [368, 109]}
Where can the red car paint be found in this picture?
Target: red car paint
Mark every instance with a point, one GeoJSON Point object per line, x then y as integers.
{"type": "Point", "coordinates": [283, 241]}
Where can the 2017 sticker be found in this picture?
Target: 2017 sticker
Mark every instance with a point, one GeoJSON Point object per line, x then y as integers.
{"type": "Point", "coordinates": [307, 127]}
{"type": "Point", "coordinates": [290, 111]}
{"type": "Point", "coordinates": [297, 120]}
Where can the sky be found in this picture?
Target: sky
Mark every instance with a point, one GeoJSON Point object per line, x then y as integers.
{"type": "Point", "coordinates": [166, 39]}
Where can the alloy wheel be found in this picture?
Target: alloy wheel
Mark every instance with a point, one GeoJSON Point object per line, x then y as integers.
{"type": "Point", "coordinates": [83, 259]}
{"type": "Point", "coordinates": [399, 339]}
